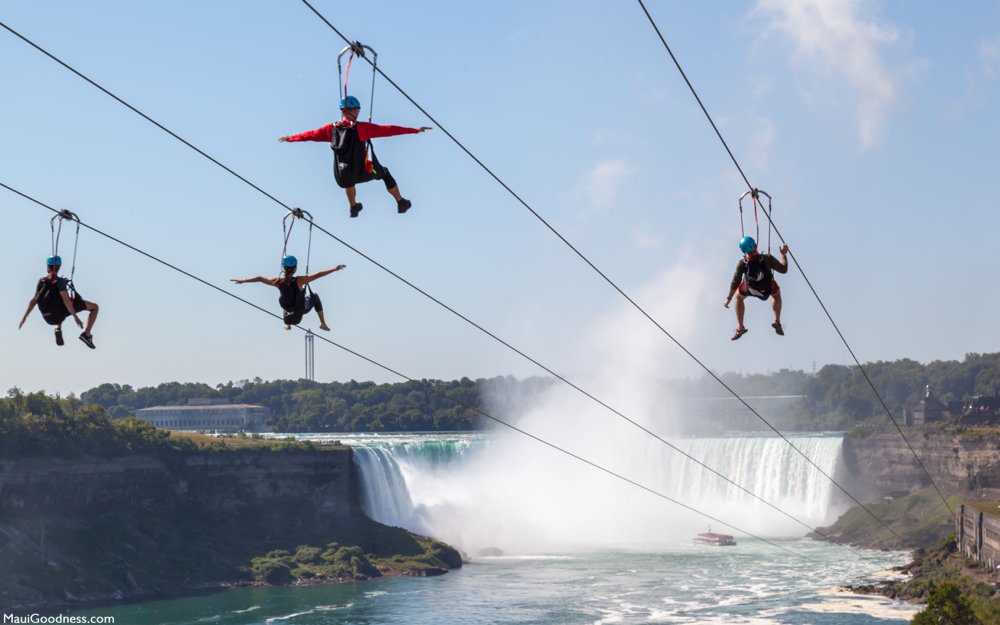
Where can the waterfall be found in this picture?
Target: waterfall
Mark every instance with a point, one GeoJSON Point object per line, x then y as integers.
{"type": "Point", "coordinates": [480, 491]}
{"type": "Point", "coordinates": [767, 467]}
{"type": "Point", "coordinates": [384, 494]}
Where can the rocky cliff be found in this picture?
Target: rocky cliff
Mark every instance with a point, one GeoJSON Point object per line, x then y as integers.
{"type": "Point", "coordinates": [965, 463]}
{"type": "Point", "coordinates": [222, 481]}
{"type": "Point", "coordinates": [97, 529]}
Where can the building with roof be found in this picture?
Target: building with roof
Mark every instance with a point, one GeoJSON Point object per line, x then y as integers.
{"type": "Point", "coordinates": [928, 410]}
{"type": "Point", "coordinates": [207, 414]}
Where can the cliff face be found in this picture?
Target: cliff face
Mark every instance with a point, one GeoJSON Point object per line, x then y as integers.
{"type": "Point", "coordinates": [219, 481]}
{"type": "Point", "coordinates": [91, 529]}
{"type": "Point", "coordinates": [966, 464]}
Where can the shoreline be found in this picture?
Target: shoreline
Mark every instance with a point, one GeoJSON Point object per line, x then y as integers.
{"type": "Point", "coordinates": [79, 604]}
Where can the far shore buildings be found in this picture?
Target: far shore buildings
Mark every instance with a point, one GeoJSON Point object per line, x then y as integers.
{"type": "Point", "coordinates": [928, 410]}
{"type": "Point", "coordinates": [978, 410]}
{"type": "Point", "coordinates": [207, 414]}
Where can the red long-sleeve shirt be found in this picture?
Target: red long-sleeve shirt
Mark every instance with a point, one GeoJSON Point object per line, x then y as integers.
{"type": "Point", "coordinates": [366, 131]}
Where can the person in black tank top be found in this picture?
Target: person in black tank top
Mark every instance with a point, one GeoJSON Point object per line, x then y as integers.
{"type": "Point", "coordinates": [754, 276]}
{"type": "Point", "coordinates": [54, 302]}
{"type": "Point", "coordinates": [292, 295]}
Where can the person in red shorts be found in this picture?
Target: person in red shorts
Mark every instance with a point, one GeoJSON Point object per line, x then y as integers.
{"type": "Point", "coordinates": [755, 276]}
{"type": "Point", "coordinates": [350, 140]}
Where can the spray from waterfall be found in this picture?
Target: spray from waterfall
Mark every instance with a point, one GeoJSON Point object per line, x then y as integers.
{"type": "Point", "coordinates": [508, 492]}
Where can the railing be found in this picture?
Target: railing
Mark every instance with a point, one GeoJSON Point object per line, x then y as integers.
{"type": "Point", "coordinates": [978, 536]}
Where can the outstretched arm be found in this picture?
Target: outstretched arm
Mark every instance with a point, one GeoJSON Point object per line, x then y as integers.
{"type": "Point", "coordinates": [31, 304]}
{"type": "Point", "coordinates": [368, 131]}
{"type": "Point", "coordinates": [320, 134]}
{"type": "Point", "coordinates": [271, 281]}
{"type": "Point", "coordinates": [304, 280]}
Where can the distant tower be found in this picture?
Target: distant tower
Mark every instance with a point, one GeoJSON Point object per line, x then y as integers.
{"type": "Point", "coordinates": [310, 357]}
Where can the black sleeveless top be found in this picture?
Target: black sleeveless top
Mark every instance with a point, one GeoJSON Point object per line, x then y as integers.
{"type": "Point", "coordinates": [291, 297]}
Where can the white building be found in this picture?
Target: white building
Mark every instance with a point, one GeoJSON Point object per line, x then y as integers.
{"type": "Point", "coordinates": [207, 414]}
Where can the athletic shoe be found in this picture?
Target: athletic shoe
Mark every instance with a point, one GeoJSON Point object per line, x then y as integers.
{"type": "Point", "coordinates": [356, 209]}
{"type": "Point", "coordinates": [288, 327]}
{"type": "Point", "coordinates": [88, 340]}
{"type": "Point", "coordinates": [59, 338]}
{"type": "Point", "coordinates": [403, 205]}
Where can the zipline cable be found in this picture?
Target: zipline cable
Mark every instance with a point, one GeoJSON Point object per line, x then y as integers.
{"type": "Point", "coordinates": [795, 260]}
{"type": "Point", "coordinates": [421, 291]}
{"type": "Point", "coordinates": [422, 384]}
{"type": "Point", "coordinates": [603, 275]}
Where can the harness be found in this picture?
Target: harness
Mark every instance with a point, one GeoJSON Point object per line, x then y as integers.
{"type": "Point", "coordinates": [350, 153]}
{"type": "Point", "coordinates": [59, 218]}
{"type": "Point", "coordinates": [755, 195]}
{"type": "Point", "coordinates": [48, 294]}
{"type": "Point", "coordinates": [757, 275]}
{"type": "Point", "coordinates": [291, 297]}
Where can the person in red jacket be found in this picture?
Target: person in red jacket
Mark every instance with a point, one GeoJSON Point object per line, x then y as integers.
{"type": "Point", "coordinates": [349, 139]}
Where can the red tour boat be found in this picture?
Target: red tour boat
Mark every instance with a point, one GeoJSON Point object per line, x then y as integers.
{"type": "Point", "coordinates": [711, 538]}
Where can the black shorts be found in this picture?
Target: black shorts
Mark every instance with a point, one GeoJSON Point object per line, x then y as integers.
{"type": "Point", "coordinates": [294, 317]}
{"type": "Point", "coordinates": [746, 291]}
{"type": "Point", "coordinates": [58, 314]}
{"type": "Point", "coordinates": [381, 174]}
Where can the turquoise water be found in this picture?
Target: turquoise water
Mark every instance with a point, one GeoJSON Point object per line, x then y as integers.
{"type": "Point", "coordinates": [750, 584]}
{"type": "Point", "coordinates": [580, 547]}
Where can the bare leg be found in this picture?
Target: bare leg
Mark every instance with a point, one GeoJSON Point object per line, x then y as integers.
{"type": "Point", "coordinates": [394, 192]}
{"type": "Point", "coordinates": [776, 307]}
{"type": "Point", "coordinates": [740, 309]}
{"type": "Point", "coordinates": [92, 317]}
{"type": "Point", "coordinates": [351, 192]}
{"type": "Point", "coordinates": [322, 321]}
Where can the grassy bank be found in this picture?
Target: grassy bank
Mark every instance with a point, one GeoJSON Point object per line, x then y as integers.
{"type": "Point", "coordinates": [940, 565]}
{"type": "Point", "coordinates": [919, 520]}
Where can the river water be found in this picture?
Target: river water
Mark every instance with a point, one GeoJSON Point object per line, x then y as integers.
{"type": "Point", "coordinates": [550, 542]}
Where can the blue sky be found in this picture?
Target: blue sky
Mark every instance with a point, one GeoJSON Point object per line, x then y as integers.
{"type": "Point", "coordinates": [871, 124]}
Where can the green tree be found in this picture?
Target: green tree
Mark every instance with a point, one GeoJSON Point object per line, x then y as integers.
{"type": "Point", "coordinates": [946, 605]}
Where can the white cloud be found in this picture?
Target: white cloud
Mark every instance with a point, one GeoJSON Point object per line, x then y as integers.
{"type": "Point", "coordinates": [603, 181]}
{"type": "Point", "coordinates": [843, 38]}
{"type": "Point", "coordinates": [989, 55]}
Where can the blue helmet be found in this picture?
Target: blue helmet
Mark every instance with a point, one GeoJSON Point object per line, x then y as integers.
{"type": "Point", "coordinates": [747, 245]}
{"type": "Point", "coordinates": [53, 261]}
{"type": "Point", "coordinates": [289, 262]}
{"type": "Point", "coordinates": [350, 102]}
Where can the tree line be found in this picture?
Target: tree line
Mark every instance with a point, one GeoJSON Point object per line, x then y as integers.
{"type": "Point", "coordinates": [835, 397]}
{"type": "Point", "coordinates": [37, 424]}
{"type": "Point", "coordinates": [839, 397]}
{"type": "Point", "coordinates": [306, 406]}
